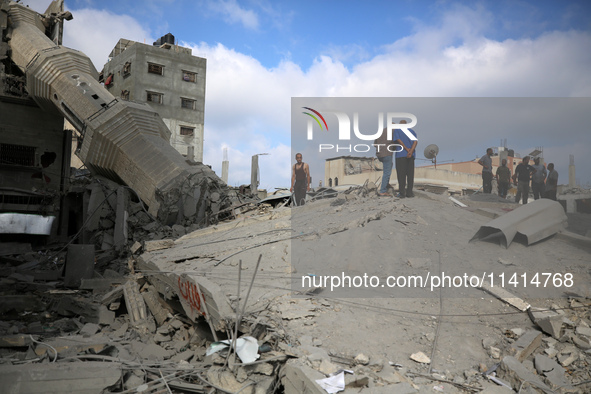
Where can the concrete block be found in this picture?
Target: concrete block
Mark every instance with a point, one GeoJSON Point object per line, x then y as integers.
{"type": "Point", "coordinates": [136, 307]}
{"type": "Point", "coordinates": [299, 378]}
{"type": "Point", "coordinates": [20, 303]}
{"type": "Point", "coordinates": [79, 264]}
{"type": "Point", "coordinates": [151, 246]}
{"type": "Point", "coordinates": [512, 371]}
{"type": "Point", "coordinates": [151, 299]}
{"type": "Point", "coordinates": [86, 377]}
{"type": "Point", "coordinates": [93, 313]}
{"type": "Point", "coordinates": [550, 322]}
{"type": "Point", "coordinates": [526, 344]}
{"type": "Point", "coordinates": [554, 373]}
{"type": "Point", "coordinates": [19, 340]}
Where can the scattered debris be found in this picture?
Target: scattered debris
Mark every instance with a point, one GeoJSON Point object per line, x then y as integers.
{"type": "Point", "coordinates": [534, 221]}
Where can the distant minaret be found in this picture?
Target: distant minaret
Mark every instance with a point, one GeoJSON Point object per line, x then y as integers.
{"type": "Point", "coordinates": [225, 166]}
{"type": "Point", "coordinates": [571, 173]}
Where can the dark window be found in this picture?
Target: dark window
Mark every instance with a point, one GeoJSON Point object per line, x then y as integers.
{"type": "Point", "coordinates": [155, 69]}
{"type": "Point", "coordinates": [187, 103]}
{"type": "Point", "coordinates": [154, 97]}
{"type": "Point", "coordinates": [125, 95]}
{"type": "Point", "coordinates": [189, 76]}
{"type": "Point", "coordinates": [187, 130]}
{"type": "Point", "coordinates": [17, 154]}
{"type": "Point", "coordinates": [127, 69]}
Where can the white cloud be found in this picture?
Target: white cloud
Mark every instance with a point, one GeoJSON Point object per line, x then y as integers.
{"type": "Point", "coordinates": [96, 32]}
{"type": "Point", "coordinates": [234, 13]}
{"type": "Point", "coordinates": [248, 105]}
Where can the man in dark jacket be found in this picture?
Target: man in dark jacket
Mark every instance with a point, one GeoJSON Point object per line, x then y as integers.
{"type": "Point", "coordinates": [522, 176]}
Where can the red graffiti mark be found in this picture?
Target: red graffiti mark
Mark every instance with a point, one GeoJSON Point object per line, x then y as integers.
{"type": "Point", "coordinates": [190, 294]}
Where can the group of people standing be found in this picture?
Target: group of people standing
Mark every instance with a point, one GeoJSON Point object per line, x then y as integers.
{"type": "Point", "coordinates": [400, 147]}
{"type": "Point", "coordinates": [544, 182]}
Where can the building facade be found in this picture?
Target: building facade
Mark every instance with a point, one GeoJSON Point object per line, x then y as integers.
{"type": "Point", "coordinates": [168, 78]}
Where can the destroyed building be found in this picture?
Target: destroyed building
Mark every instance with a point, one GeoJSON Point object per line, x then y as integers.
{"type": "Point", "coordinates": [168, 78]}
{"type": "Point", "coordinates": [168, 316]}
{"type": "Point", "coordinates": [124, 141]}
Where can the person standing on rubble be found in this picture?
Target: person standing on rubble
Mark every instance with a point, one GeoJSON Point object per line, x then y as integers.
{"type": "Point", "coordinates": [503, 177]}
{"type": "Point", "coordinates": [537, 182]}
{"type": "Point", "coordinates": [405, 162]}
{"type": "Point", "coordinates": [385, 154]}
{"type": "Point", "coordinates": [300, 180]}
{"type": "Point", "coordinates": [551, 183]}
{"type": "Point", "coordinates": [487, 174]}
{"type": "Point", "coordinates": [522, 176]}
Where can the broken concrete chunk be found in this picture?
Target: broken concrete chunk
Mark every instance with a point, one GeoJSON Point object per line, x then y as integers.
{"type": "Point", "coordinates": [494, 352]}
{"type": "Point", "coordinates": [89, 329]}
{"type": "Point", "coordinates": [93, 313]}
{"type": "Point", "coordinates": [150, 246]}
{"type": "Point", "coordinates": [136, 307]}
{"type": "Point", "coordinates": [361, 359]}
{"type": "Point", "coordinates": [581, 342]}
{"type": "Point", "coordinates": [151, 299]}
{"type": "Point", "coordinates": [59, 377]}
{"type": "Point", "coordinates": [516, 374]}
{"type": "Point", "coordinates": [19, 340]}
{"type": "Point", "coordinates": [327, 368]}
{"type": "Point", "coordinates": [135, 247]}
{"type": "Point", "coordinates": [420, 357]}
{"type": "Point", "coordinates": [554, 373]}
{"type": "Point", "coordinates": [299, 378]}
{"type": "Point", "coordinates": [582, 330]}
{"type": "Point", "coordinates": [550, 322]}
{"type": "Point", "coordinates": [526, 344]}
{"type": "Point", "coordinates": [224, 379]}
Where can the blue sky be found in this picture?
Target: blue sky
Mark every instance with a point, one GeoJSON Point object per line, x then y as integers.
{"type": "Point", "coordinates": [261, 53]}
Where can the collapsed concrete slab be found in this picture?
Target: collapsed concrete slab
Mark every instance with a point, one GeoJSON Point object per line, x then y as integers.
{"type": "Point", "coordinates": [534, 221]}
{"type": "Point", "coordinates": [198, 296]}
{"type": "Point", "coordinates": [88, 377]}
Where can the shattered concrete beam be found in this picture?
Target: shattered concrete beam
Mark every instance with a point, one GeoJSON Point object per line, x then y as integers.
{"type": "Point", "coordinates": [123, 141]}
{"type": "Point", "coordinates": [187, 288]}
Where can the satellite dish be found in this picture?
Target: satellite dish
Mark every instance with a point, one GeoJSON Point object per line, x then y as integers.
{"type": "Point", "coordinates": [431, 152]}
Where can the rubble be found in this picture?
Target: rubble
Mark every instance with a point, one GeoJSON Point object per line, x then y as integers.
{"type": "Point", "coordinates": [146, 313]}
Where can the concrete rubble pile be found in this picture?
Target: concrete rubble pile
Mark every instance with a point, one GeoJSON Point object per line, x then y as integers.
{"type": "Point", "coordinates": [79, 319]}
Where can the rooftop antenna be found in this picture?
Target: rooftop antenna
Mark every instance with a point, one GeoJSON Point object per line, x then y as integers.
{"type": "Point", "coordinates": [431, 152]}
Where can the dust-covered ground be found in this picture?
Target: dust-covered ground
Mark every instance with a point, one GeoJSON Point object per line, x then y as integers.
{"type": "Point", "coordinates": [307, 251]}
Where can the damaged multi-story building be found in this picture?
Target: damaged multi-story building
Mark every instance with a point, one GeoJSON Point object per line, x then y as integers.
{"type": "Point", "coordinates": [43, 82]}
{"type": "Point", "coordinates": [168, 78]}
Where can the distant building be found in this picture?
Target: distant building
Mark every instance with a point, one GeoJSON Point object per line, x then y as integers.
{"type": "Point", "coordinates": [457, 177]}
{"type": "Point", "coordinates": [168, 78]}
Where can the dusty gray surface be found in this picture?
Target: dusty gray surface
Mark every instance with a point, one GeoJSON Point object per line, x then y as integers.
{"type": "Point", "coordinates": [380, 237]}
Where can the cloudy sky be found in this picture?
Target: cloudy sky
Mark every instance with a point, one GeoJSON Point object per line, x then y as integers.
{"type": "Point", "coordinates": [261, 53]}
